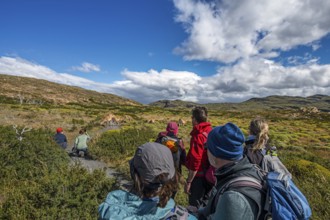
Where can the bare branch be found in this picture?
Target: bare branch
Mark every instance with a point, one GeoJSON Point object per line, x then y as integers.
{"type": "Point", "coordinates": [15, 128]}
{"type": "Point", "coordinates": [25, 129]}
{"type": "Point", "coordinates": [20, 133]}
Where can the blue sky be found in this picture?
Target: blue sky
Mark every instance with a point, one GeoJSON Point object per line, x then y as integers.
{"type": "Point", "coordinates": [147, 50]}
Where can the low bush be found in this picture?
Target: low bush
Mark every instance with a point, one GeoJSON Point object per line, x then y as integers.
{"type": "Point", "coordinates": [312, 179]}
{"type": "Point", "coordinates": [36, 181]}
{"type": "Point", "coordinates": [114, 145]}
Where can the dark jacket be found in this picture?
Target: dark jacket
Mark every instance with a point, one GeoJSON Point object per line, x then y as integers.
{"type": "Point", "coordinates": [61, 140]}
{"type": "Point", "coordinates": [179, 157]}
{"type": "Point", "coordinates": [254, 156]}
{"type": "Point", "coordinates": [236, 203]}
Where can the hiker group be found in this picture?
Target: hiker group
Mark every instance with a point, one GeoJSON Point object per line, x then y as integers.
{"type": "Point", "coordinates": [229, 177]}
{"type": "Point", "coordinates": [80, 147]}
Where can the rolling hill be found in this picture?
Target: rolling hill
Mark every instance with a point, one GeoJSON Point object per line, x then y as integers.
{"type": "Point", "coordinates": [15, 89]}
{"type": "Point", "coordinates": [321, 102]}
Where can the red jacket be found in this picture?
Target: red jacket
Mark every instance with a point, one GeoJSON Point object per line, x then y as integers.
{"type": "Point", "coordinates": [197, 155]}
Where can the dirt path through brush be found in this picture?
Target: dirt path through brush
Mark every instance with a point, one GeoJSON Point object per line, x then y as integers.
{"type": "Point", "coordinates": [92, 165]}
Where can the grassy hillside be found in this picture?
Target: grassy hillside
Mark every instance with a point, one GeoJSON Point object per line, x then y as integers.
{"type": "Point", "coordinates": [302, 137]}
{"type": "Point", "coordinates": [322, 102]}
{"type": "Point", "coordinates": [15, 89]}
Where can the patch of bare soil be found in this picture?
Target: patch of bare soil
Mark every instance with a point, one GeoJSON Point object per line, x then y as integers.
{"type": "Point", "coordinates": [92, 165]}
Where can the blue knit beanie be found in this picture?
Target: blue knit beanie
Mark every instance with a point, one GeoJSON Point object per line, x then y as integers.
{"type": "Point", "coordinates": [226, 142]}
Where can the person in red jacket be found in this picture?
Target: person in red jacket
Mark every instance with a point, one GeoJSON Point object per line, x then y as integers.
{"type": "Point", "coordinates": [197, 162]}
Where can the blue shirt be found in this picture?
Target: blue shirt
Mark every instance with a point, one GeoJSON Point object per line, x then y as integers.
{"type": "Point", "coordinates": [61, 140]}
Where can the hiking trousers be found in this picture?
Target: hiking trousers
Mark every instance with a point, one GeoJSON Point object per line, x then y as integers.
{"type": "Point", "coordinates": [198, 191]}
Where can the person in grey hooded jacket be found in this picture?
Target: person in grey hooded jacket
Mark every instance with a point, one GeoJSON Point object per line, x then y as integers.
{"type": "Point", "coordinates": [225, 153]}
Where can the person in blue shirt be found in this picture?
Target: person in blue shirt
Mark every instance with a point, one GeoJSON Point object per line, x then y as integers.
{"type": "Point", "coordinates": [60, 138]}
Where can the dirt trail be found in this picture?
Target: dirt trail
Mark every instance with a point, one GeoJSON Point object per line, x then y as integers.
{"type": "Point", "coordinates": [92, 165]}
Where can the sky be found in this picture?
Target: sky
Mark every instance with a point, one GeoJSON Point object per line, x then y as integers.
{"type": "Point", "coordinates": [148, 50]}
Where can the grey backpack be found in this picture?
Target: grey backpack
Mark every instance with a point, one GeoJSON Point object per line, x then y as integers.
{"type": "Point", "coordinates": [178, 213]}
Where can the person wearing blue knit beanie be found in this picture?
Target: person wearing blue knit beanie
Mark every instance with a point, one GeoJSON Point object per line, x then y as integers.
{"type": "Point", "coordinates": [225, 153]}
{"type": "Point", "coordinates": [226, 142]}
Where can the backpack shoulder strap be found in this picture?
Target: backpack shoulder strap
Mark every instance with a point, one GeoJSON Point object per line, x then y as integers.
{"type": "Point", "coordinates": [241, 181]}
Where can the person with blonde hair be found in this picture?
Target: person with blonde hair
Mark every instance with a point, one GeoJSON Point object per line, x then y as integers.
{"type": "Point", "coordinates": [256, 144]}
{"type": "Point", "coordinates": [258, 150]}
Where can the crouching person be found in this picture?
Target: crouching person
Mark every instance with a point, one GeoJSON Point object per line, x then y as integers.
{"type": "Point", "coordinates": [80, 144]}
{"type": "Point", "coordinates": [232, 198]}
{"type": "Point", "coordinates": [154, 178]}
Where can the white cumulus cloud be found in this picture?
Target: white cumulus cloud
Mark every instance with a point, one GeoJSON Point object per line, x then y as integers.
{"type": "Point", "coordinates": [244, 36]}
{"type": "Point", "coordinates": [87, 67]}
{"type": "Point", "coordinates": [248, 78]}
{"type": "Point", "coordinates": [227, 30]}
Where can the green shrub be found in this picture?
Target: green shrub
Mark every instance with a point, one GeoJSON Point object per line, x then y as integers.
{"type": "Point", "coordinates": [115, 145]}
{"type": "Point", "coordinates": [36, 181]}
{"type": "Point", "coordinates": [32, 171]}
{"type": "Point", "coordinates": [78, 121]}
{"type": "Point", "coordinates": [312, 178]}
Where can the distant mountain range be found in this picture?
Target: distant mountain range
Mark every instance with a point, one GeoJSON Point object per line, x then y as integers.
{"type": "Point", "coordinates": [15, 89]}
{"type": "Point", "coordinates": [321, 102]}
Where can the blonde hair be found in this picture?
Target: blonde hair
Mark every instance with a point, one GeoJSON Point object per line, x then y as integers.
{"type": "Point", "coordinates": [164, 192]}
{"type": "Point", "coordinates": [259, 128]}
